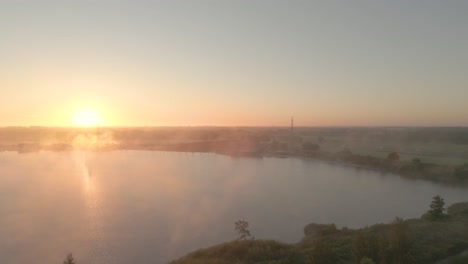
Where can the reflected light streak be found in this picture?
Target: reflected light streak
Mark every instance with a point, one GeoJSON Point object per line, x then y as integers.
{"type": "Point", "coordinates": [93, 207]}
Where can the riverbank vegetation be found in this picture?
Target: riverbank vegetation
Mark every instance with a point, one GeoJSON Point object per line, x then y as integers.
{"type": "Point", "coordinates": [436, 237]}
{"type": "Point", "coordinates": [414, 169]}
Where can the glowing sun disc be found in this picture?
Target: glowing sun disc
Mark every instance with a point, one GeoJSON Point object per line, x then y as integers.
{"type": "Point", "coordinates": [86, 117]}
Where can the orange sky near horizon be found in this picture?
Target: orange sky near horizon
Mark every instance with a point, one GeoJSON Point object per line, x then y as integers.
{"type": "Point", "coordinates": [234, 63]}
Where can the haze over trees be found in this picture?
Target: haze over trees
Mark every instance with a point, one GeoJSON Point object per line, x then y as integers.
{"type": "Point", "coordinates": [434, 154]}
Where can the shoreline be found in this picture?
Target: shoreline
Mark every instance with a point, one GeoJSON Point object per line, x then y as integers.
{"type": "Point", "coordinates": [401, 168]}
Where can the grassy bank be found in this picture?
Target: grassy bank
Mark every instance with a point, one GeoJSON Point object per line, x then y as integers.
{"type": "Point", "coordinates": [428, 239]}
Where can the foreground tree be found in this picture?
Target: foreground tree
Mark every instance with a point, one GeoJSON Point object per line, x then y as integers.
{"type": "Point", "coordinates": [242, 229]}
{"type": "Point", "coordinates": [69, 259]}
{"type": "Point", "coordinates": [437, 207]}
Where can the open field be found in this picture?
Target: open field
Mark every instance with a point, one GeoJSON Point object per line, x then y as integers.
{"type": "Point", "coordinates": [439, 151]}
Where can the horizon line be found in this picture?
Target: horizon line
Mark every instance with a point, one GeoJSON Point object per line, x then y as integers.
{"type": "Point", "coordinates": [239, 126]}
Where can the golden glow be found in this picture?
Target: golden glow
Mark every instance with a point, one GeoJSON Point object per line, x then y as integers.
{"type": "Point", "coordinates": [86, 117]}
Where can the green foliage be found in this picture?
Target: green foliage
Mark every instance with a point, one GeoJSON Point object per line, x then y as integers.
{"type": "Point", "coordinates": [461, 172]}
{"type": "Point", "coordinates": [322, 253]}
{"type": "Point", "coordinates": [459, 260]}
{"type": "Point", "coordinates": [457, 247]}
{"type": "Point", "coordinates": [247, 252]}
{"type": "Point", "coordinates": [436, 240]}
{"type": "Point", "coordinates": [437, 207]}
{"type": "Point", "coordinates": [365, 245]}
{"type": "Point", "coordinates": [458, 210]}
{"type": "Point", "coordinates": [366, 260]}
{"type": "Point", "coordinates": [417, 165]}
{"type": "Point", "coordinates": [69, 259]}
{"type": "Point", "coordinates": [394, 244]}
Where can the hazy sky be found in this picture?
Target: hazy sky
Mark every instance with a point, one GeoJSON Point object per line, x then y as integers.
{"type": "Point", "coordinates": [251, 62]}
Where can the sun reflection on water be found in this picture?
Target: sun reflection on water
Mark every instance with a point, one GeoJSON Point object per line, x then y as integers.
{"type": "Point", "coordinates": [93, 206]}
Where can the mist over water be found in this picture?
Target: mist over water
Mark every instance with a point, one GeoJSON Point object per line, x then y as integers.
{"type": "Point", "coordinates": [151, 207]}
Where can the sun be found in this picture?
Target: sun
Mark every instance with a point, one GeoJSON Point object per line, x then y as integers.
{"type": "Point", "coordinates": [86, 117]}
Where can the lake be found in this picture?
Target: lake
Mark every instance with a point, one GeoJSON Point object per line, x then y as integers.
{"type": "Point", "coordinates": [150, 207]}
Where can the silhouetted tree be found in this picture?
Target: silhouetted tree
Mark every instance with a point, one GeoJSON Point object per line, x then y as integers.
{"type": "Point", "coordinates": [437, 207]}
{"type": "Point", "coordinates": [69, 259]}
{"type": "Point", "coordinates": [242, 229]}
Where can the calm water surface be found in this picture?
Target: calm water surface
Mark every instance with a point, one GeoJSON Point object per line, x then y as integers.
{"type": "Point", "coordinates": [150, 207]}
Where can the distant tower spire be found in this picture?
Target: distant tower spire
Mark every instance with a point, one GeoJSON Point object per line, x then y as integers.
{"type": "Point", "coordinates": [292, 124]}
